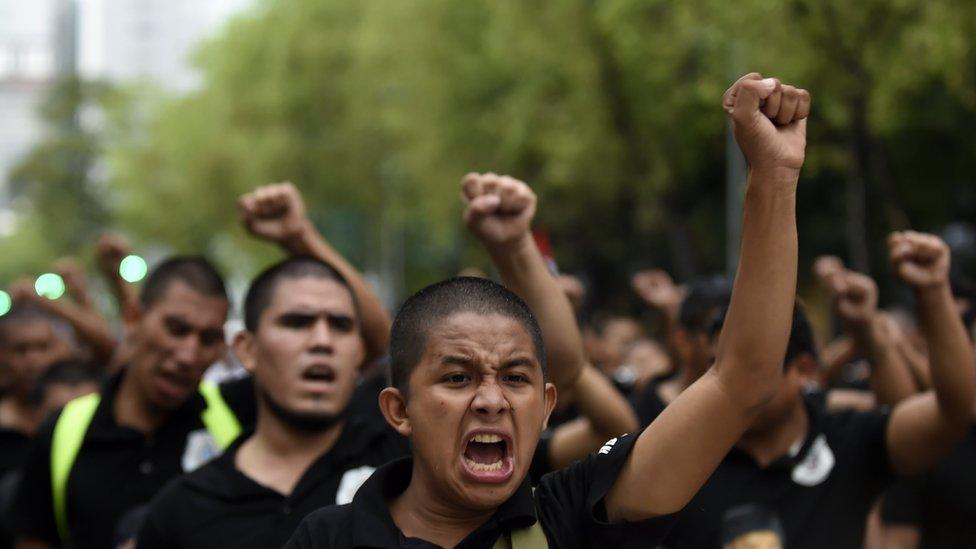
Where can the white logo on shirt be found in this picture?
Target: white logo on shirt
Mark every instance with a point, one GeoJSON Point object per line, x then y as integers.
{"type": "Point", "coordinates": [350, 483]}
{"type": "Point", "coordinates": [200, 448]}
{"type": "Point", "coordinates": [607, 446]}
{"type": "Point", "coordinates": [816, 466]}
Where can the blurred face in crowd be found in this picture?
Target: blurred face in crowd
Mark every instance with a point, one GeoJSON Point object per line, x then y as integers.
{"type": "Point", "coordinates": [477, 403]}
{"type": "Point", "coordinates": [175, 342]}
{"type": "Point", "coordinates": [27, 349]}
{"type": "Point", "coordinates": [307, 351]}
{"type": "Point", "coordinates": [798, 373]}
{"type": "Point", "coordinates": [59, 394]}
{"type": "Point", "coordinates": [619, 335]}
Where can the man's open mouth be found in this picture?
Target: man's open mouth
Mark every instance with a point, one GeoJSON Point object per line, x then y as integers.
{"type": "Point", "coordinates": [319, 372]}
{"type": "Point", "coordinates": [488, 457]}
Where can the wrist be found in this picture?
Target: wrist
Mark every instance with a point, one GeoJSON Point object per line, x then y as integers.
{"type": "Point", "coordinates": [513, 247]}
{"type": "Point", "coordinates": [297, 242]}
{"type": "Point", "coordinates": [778, 179]}
{"type": "Point", "coordinates": [933, 293]}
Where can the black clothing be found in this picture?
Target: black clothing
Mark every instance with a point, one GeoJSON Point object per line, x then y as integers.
{"type": "Point", "coordinates": [13, 449]}
{"type": "Point", "coordinates": [940, 503]}
{"type": "Point", "coordinates": [821, 494]}
{"type": "Point", "coordinates": [647, 403]}
{"type": "Point", "coordinates": [117, 468]}
{"type": "Point", "coordinates": [568, 503]}
{"type": "Point", "coordinates": [219, 506]}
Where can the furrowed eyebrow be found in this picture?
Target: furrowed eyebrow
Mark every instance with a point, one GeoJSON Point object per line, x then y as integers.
{"type": "Point", "coordinates": [456, 360]}
{"type": "Point", "coordinates": [519, 361]}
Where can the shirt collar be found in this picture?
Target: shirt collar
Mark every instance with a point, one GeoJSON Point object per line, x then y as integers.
{"type": "Point", "coordinates": [373, 526]}
{"type": "Point", "coordinates": [814, 407]}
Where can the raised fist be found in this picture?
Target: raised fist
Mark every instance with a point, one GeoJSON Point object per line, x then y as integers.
{"type": "Point", "coordinates": [110, 250]}
{"type": "Point", "coordinates": [657, 289]}
{"type": "Point", "coordinates": [855, 296]}
{"type": "Point", "coordinates": [74, 276]}
{"type": "Point", "coordinates": [826, 267]}
{"type": "Point", "coordinates": [274, 212]}
{"type": "Point", "coordinates": [499, 209]}
{"type": "Point", "coordinates": [920, 260]}
{"type": "Point", "coordinates": [22, 291]}
{"type": "Point", "coordinates": [769, 121]}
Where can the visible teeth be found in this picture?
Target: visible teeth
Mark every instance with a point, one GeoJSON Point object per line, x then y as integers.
{"type": "Point", "coordinates": [485, 466]}
{"type": "Point", "coordinates": [485, 437]}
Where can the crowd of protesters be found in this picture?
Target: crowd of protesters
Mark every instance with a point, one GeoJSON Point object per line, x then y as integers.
{"type": "Point", "coordinates": [485, 414]}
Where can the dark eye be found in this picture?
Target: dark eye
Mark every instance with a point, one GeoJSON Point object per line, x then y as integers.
{"type": "Point", "coordinates": [456, 378]}
{"type": "Point", "coordinates": [177, 328]}
{"type": "Point", "coordinates": [296, 321]}
{"type": "Point", "coordinates": [517, 379]}
{"type": "Point", "coordinates": [210, 338]}
{"type": "Point", "coordinates": [341, 323]}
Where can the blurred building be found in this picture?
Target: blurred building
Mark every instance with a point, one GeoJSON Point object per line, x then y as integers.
{"type": "Point", "coordinates": [36, 41]}
{"type": "Point", "coordinates": [149, 40]}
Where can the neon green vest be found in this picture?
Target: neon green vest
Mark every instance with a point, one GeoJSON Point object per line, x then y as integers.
{"type": "Point", "coordinates": [532, 537]}
{"type": "Point", "coordinates": [72, 424]}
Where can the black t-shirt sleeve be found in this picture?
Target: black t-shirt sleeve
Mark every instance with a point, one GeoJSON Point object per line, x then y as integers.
{"type": "Point", "coordinates": [240, 397]}
{"type": "Point", "coordinates": [869, 435]}
{"type": "Point", "coordinates": [901, 503]}
{"type": "Point", "coordinates": [163, 520]}
{"type": "Point", "coordinates": [570, 503]}
{"type": "Point", "coordinates": [33, 510]}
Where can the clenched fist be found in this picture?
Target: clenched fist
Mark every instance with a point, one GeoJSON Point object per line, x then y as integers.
{"type": "Point", "coordinates": [657, 289]}
{"type": "Point", "coordinates": [274, 212]}
{"type": "Point", "coordinates": [769, 121]}
{"type": "Point", "coordinates": [499, 209]}
{"type": "Point", "coordinates": [920, 260]}
{"type": "Point", "coordinates": [855, 296]}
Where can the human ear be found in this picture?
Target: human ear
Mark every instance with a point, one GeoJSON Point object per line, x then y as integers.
{"type": "Point", "coordinates": [393, 405]}
{"type": "Point", "coordinates": [243, 347]}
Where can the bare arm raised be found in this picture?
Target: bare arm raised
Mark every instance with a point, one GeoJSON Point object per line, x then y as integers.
{"type": "Point", "coordinates": [677, 453]}
{"type": "Point", "coordinates": [499, 213]}
{"type": "Point", "coordinates": [276, 213]}
{"type": "Point", "coordinates": [924, 427]}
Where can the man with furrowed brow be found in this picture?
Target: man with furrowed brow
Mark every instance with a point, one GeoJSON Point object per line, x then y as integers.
{"type": "Point", "coordinates": [470, 386]}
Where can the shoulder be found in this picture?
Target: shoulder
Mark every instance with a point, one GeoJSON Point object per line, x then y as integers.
{"type": "Point", "coordinates": [326, 527]}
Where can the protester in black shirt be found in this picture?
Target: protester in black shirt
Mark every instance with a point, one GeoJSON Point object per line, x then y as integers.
{"type": "Point", "coordinates": [820, 472]}
{"type": "Point", "coordinates": [688, 335]}
{"type": "Point", "coordinates": [304, 347]}
{"type": "Point", "coordinates": [470, 386]}
{"type": "Point", "coordinates": [147, 425]}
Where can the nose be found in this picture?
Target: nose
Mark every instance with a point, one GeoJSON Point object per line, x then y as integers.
{"type": "Point", "coordinates": [320, 337]}
{"type": "Point", "coordinates": [490, 400]}
{"type": "Point", "coordinates": [188, 351]}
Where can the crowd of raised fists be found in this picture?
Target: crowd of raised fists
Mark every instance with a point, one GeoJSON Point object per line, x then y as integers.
{"type": "Point", "coordinates": [515, 413]}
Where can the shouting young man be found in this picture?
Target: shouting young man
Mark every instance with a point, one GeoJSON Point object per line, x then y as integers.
{"type": "Point", "coordinates": [470, 386]}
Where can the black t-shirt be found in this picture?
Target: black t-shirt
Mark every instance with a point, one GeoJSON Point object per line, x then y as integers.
{"type": "Point", "coordinates": [13, 449]}
{"type": "Point", "coordinates": [940, 503]}
{"type": "Point", "coordinates": [116, 470]}
{"type": "Point", "coordinates": [817, 497]}
{"type": "Point", "coordinates": [648, 403]}
{"type": "Point", "coordinates": [568, 503]}
{"type": "Point", "coordinates": [218, 506]}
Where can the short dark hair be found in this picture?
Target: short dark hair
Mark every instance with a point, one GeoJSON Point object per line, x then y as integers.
{"type": "Point", "coordinates": [194, 271]}
{"type": "Point", "coordinates": [801, 334]}
{"type": "Point", "coordinates": [426, 308]}
{"type": "Point", "coordinates": [706, 297]}
{"type": "Point", "coordinates": [26, 313]}
{"type": "Point", "coordinates": [262, 288]}
{"type": "Point", "coordinates": [64, 372]}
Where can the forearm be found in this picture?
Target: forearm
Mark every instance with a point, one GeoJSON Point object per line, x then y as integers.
{"type": "Point", "coordinates": [836, 354]}
{"type": "Point", "coordinates": [524, 272]}
{"type": "Point", "coordinates": [601, 403]}
{"type": "Point", "coordinates": [951, 359]}
{"type": "Point", "coordinates": [375, 319]}
{"type": "Point", "coordinates": [890, 378]}
{"type": "Point", "coordinates": [89, 326]}
{"type": "Point", "coordinates": [752, 345]}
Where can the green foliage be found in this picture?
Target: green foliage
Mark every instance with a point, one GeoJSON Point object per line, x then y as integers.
{"type": "Point", "coordinates": [610, 109]}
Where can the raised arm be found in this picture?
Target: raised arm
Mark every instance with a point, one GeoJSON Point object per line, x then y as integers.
{"type": "Point", "coordinates": [856, 300]}
{"type": "Point", "coordinates": [110, 250]}
{"type": "Point", "coordinates": [656, 288]}
{"type": "Point", "coordinates": [499, 212]}
{"type": "Point", "coordinates": [925, 427]}
{"type": "Point", "coordinates": [276, 213]}
{"type": "Point", "coordinates": [604, 414]}
{"type": "Point", "coordinates": [677, 453]}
